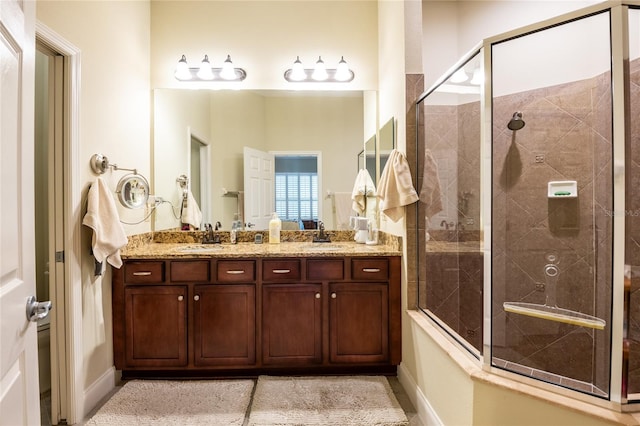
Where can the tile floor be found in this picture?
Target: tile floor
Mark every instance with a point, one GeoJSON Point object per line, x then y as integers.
{"type": "Point", "coordinates": [398, 390]}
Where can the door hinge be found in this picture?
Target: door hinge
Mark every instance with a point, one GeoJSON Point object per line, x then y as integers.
{"type": "Point", "coordinates": [60, 256]}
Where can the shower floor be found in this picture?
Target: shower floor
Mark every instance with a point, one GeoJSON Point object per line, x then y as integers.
{"type": "Point", "coordinates": [549, 377]}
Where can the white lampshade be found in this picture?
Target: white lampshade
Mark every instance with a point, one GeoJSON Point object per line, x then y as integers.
{"type": "Point", "coordinates": [182, 69]}
{"type": "Point", "coordinates": [205, 72]}
{"type": "Point", "coordinates": [297, 71]}
{"type": "Point", "coordinates": [228, 72]}
{"type": "Point", "coordinates": [320, 71]}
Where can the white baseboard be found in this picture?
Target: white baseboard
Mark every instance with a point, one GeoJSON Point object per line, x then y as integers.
{"type": "Point", "coordinates": [98, 390]}
{"type": "Point", "coordinates": [425, 411]}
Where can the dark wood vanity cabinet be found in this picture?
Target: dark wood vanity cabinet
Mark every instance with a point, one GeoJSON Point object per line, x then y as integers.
{"type": "Point", "coordinates": [224, 325]}
{"type": "Point", "coordinates": [212, 316]}
{"type": "Point", "coordinates": [155, 326]}
{"type": "Point", "coordinates": [331, 312]}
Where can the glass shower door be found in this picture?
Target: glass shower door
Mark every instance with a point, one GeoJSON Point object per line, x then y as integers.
{"type": "Point", "coordinates": [552, 204]}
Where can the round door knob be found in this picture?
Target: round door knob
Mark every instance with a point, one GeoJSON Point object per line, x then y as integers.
{"type": "Point", "coordinates": [333, 295]}
{"type": "Point", "coordinates": [37, 310]}
{"type": "Point", "coordinates": [196, 297]}
{"type": "Point", "coordinates": [317, 295]}
{"type": "Point", "coordinates": [180, 298]}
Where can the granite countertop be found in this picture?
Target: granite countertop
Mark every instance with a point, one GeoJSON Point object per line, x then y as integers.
{"type": "Point", "coordinates": [187, 245]}
{"type": "Point", "coordinates": [289, 249]}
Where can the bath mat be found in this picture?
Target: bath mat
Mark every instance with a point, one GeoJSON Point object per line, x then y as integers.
{"type": "Point", "coordinates": [334, 400]}
{"type": "Point", "coordinates": [167, 402]}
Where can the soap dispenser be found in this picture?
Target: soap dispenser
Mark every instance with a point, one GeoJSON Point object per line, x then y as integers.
{"type": "Point", "coordinates": [275, 224]}
{"type": "Point", "coordinates": [235, 227]}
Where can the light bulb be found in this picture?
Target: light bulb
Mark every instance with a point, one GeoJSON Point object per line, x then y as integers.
{"type": "Point", "coordinates": [320, 71]}
{"type": "Point", "coordinates": [205, 73]}
{"type": "Point", "coordinates": [228, 72]}
{"type": "Point", "coordinates": [459, 76]}
{"type": "Point", "coordinates": [182, 69]}
{"type": "Point", "coordinates": [297, 71]}
{"type": "Point", "coordinates": [342, 72]}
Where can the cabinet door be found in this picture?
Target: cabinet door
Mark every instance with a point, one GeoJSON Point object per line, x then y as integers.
{"type": "Point", "coordinates": [156, 326]}
{"type": "Point", "coordinates": [359, 322]}
{"type": "Point", "coordinates": [224, 325]}
{"type": "Point", "coordinates": [292, 324]}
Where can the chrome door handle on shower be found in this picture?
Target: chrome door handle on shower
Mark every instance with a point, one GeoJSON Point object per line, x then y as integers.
{"type": "Point", "coordinates": [37, 310]}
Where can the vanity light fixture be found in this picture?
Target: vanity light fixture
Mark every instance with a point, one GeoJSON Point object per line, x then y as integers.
{"type": "Point", "coordinates": [320, 73]}
{"type": "Point", "coordinates": [208, 73]}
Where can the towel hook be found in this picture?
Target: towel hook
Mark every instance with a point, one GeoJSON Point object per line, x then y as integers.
{"type": "Point", "coordinates": [100, 164]}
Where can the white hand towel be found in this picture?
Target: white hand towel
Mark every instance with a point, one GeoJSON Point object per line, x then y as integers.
{"type": "Point", "coordinates": [362, 188]}
{"type": "Point", "coordinates": [395, 188]}
{"type": "Point", "coordinates": [102, 216]}
{"type": "Point", "coordinates": [342, 207]}
{"type": "Point", "coordinates": [430, 193]}
{"type": "Point", "coordinates": [191, 213]}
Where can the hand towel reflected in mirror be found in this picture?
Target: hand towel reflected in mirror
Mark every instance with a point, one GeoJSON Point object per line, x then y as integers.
{"type": "Point", "coordinates": [363, 187]}
{"type": "Point", "coordinates": [191, 214]}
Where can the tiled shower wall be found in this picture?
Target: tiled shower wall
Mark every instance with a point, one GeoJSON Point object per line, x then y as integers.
{"type": "Point", "coordinates": [632, 227]}
{"type": "Point", "coordinates": [567, 137]}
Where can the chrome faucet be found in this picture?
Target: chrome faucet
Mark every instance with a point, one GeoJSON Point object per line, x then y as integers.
{"type": "Point", "coordinates": [322, 236]}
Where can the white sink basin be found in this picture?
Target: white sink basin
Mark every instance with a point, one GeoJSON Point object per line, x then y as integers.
{"type": "Point", "coordinates": [200, 248]}
{"type": "Point", "coordinates": [322, 247]}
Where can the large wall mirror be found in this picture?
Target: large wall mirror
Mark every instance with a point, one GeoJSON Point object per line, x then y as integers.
{"type": "Point", "coordinates": [202, 134]}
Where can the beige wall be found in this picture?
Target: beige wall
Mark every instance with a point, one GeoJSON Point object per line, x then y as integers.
{"type": "Point", "coordinates": [264, 38]}
{"type": "Point", "coordinates": [113, 38]}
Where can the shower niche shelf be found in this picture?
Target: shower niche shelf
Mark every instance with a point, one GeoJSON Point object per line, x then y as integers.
{"type": "Point", "coordinates": [562, 189]}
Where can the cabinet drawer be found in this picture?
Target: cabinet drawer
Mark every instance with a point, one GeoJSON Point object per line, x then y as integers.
{"type": "Point", "coordinates": [144, 272]}
{"type": "Point", "coordinates": [369, 269]}
{"type": "Point", "coordinates": [190, 271]}
{"type": "Point", "coordinates": [325, 269]}
{"type": "Point", "coordinates": [233, 271]}
{"type": "Point", "coordinates": [278, 270]}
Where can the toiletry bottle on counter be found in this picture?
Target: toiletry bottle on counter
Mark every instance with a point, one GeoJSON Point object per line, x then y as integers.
{"type": "Point", "coordinates": [275, 224]}
{"type": "Point", "coordinates": [235, 227]}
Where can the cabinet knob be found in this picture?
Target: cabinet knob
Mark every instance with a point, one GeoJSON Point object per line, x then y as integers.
{"type": "Point", "coordinates": [317, 295]}
{"type": "Point", "coordinates": [333, 295]}
{"type": "Point", "coordinates": [196, 297]}
{"type": "Point", "coordinates": [180, 298]}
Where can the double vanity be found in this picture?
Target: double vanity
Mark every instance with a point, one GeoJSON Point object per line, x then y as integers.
{"type": "Point", "coordinates": [181, 308]}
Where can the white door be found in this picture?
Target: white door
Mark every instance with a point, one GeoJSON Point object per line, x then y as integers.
{"type": "Point", "coordinates": [259, 196]}
{"type": "Point", "coordinates": [19, 397]}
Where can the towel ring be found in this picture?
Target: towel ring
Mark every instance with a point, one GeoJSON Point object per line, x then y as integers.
{"type": "Point", "coordinates": [133, 191]}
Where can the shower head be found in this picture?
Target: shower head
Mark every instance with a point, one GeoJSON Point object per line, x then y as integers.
{"type": "Point", "coordinates": [516, 122]}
